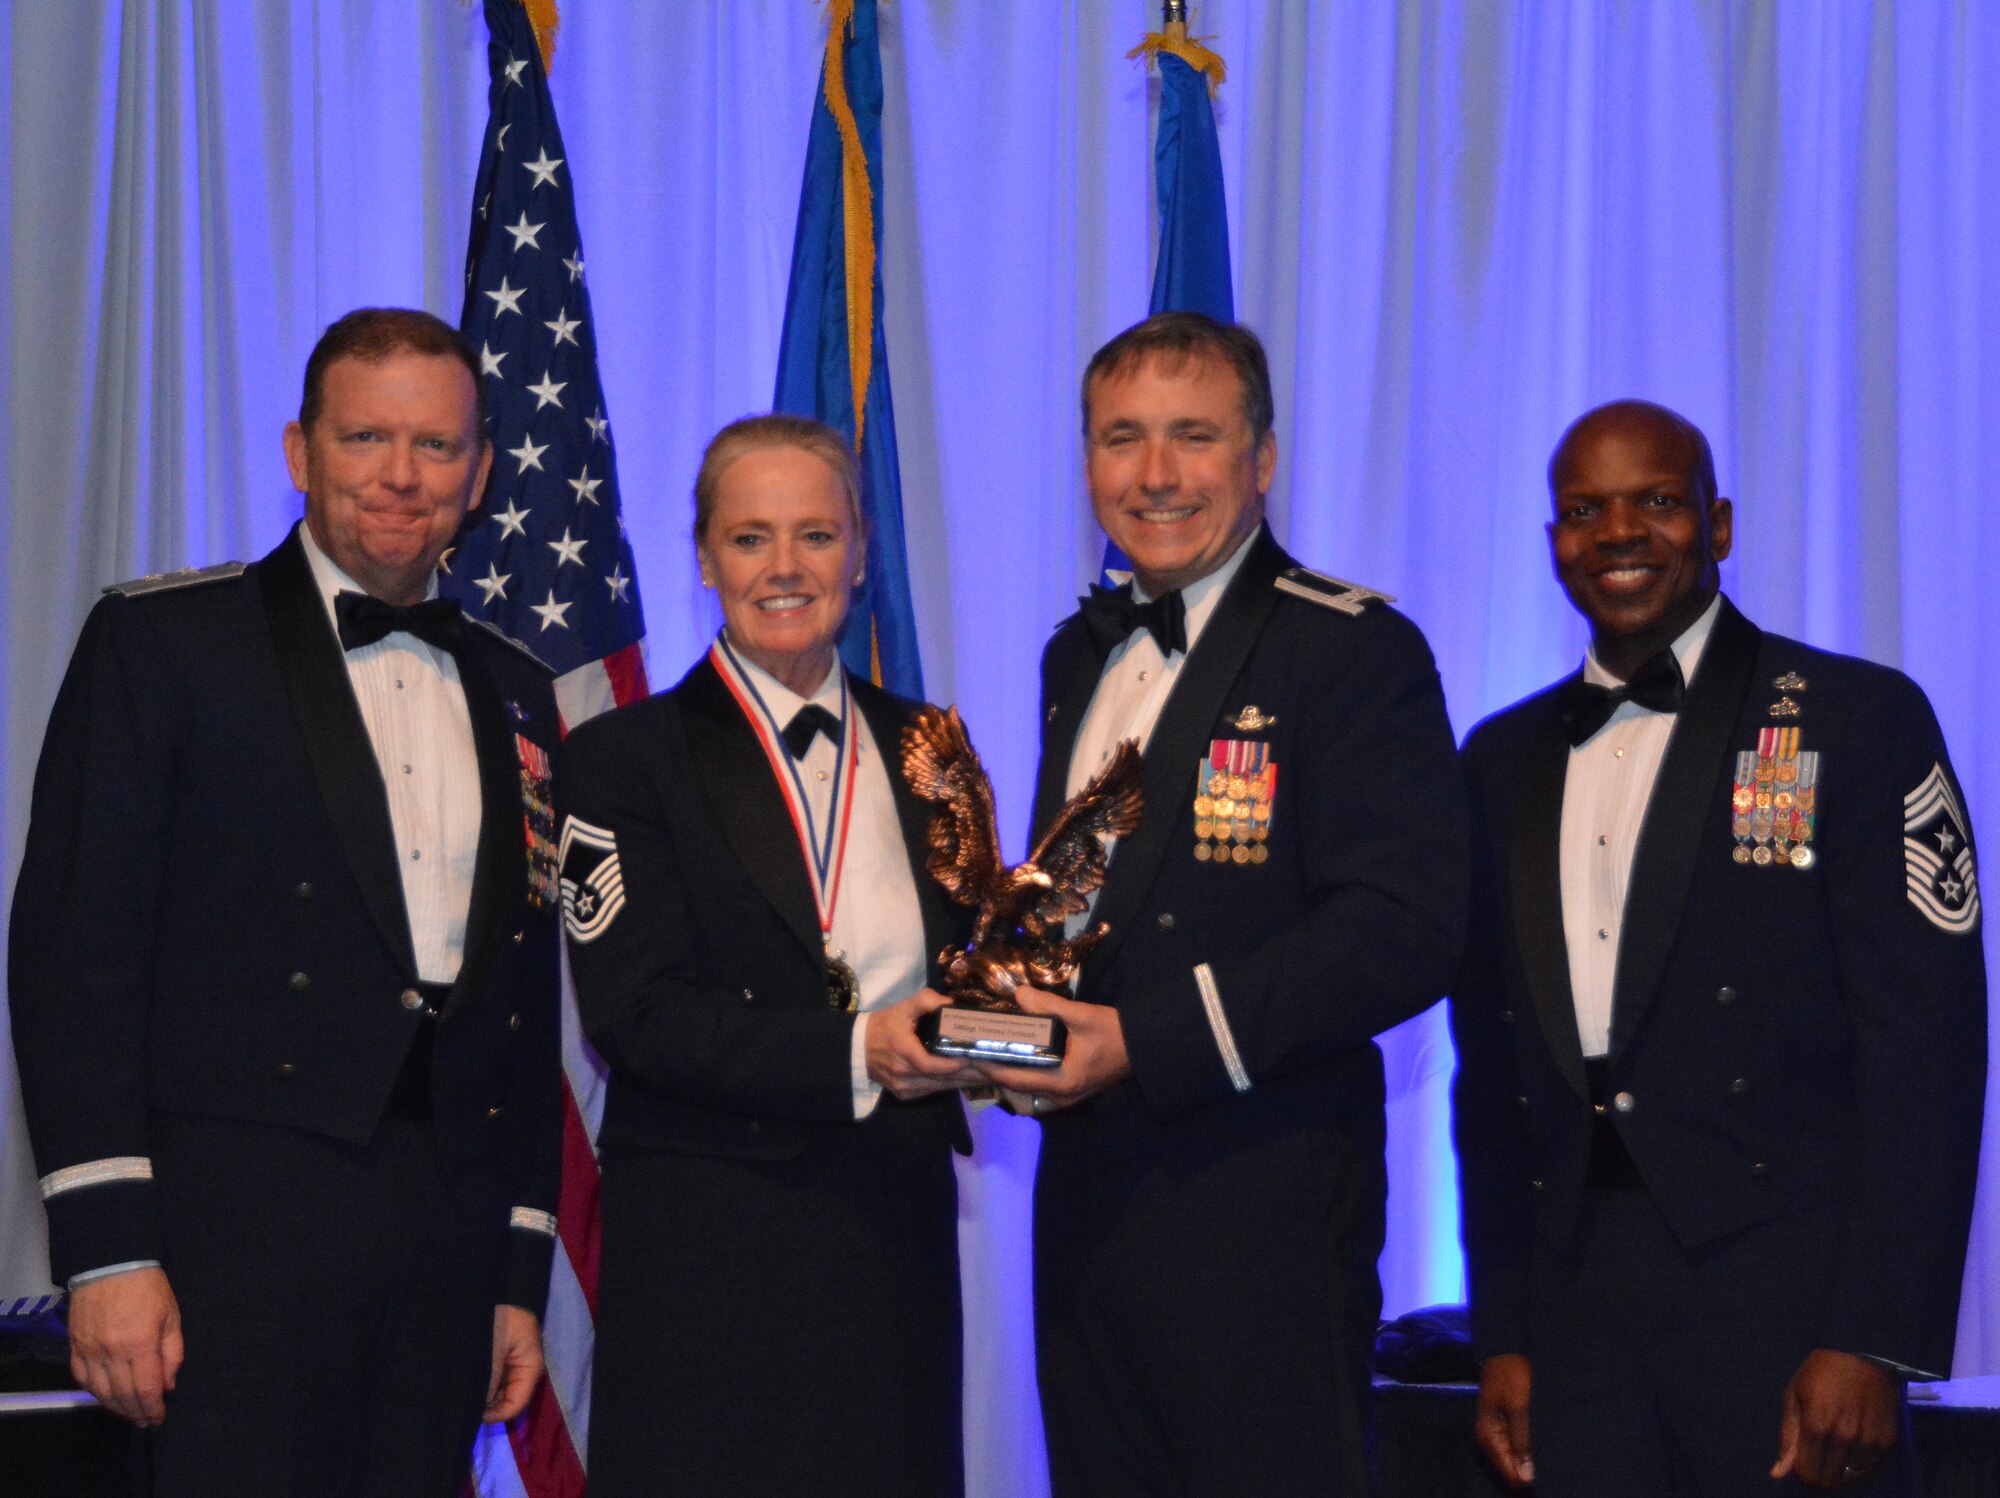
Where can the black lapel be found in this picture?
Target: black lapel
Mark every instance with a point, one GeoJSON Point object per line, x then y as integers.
{"type": "Point", "coordinates": [1074, 667]}
{"type": "Point", "coordinates": [737, 785]}
{"type": "Point", "coordinates": [1534, 878]}
{"type": "Point", "coordinates": [336, 739]}
{"type": "Point", "coordinates": [499, 872]}
{"type": "Point", "coordinates": [1683, 803]}
{"type": "Point", "coordinates": [886, 717]}
{"type": "Point", "coordinates": [1181, 738]}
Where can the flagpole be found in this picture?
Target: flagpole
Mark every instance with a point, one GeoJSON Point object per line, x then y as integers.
{"type": "Point", "coordinates": [1173, 13]}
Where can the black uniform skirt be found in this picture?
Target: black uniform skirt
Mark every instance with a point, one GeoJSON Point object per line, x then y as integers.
{"type": "Point", "coordinates": [769, 1327]}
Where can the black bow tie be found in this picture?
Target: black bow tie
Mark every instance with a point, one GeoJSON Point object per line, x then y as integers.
{"type": "Point", "coordinates": [807, 721]}
{"type": "Point", "coordinates": [364, 620]}
{"type": "Point", "coordinates": [1111, 614]}
{"type": "Point", "coordinates": [1586, 707]}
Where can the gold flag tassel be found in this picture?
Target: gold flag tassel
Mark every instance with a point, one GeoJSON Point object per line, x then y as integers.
{"type": "Point", "coordinates": [857, 213]}
{"type": "Point", "coordinates": [1189, 50]}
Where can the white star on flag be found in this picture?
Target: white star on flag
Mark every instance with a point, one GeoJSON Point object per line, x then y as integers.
{"type": "Point", "coordinates": [507, 298]}
{"type": "Point", "coordinates": [598, 426]}
{"type": "Point", "coordinates": [524, 232]}
{"type": "Point", "coordinates": [586, 487]}
{"type": "Point", "coordinates": [512, 517]}
{"type": "Point", "coordinates": [549, 393]}
{"type": "Point", "coordinates": [543, 168]}
{"type": "Point", "coordinates": [618, 582]}
{"type": "Point", "coordinates": [564, 327]}
{"type": "Point", "coordinates": [567, 550]}
{"type": "Point", "coordinates": [494, 584]}
{"type": "Point", "coordinates": [527, 454]}
{"type": "Point", "coordinates": [516, 66]}
{"type": "Point", "coordinates": [575, 264]}
{"type": "Point", "coordinates": [489, 362]}
{"type": "Point", "coordinates": [551, 612]}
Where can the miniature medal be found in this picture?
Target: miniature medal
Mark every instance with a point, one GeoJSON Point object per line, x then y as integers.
{"type": "Point", "coordinates": [843, 988]}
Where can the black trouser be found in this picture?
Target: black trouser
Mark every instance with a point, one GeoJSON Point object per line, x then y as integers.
{"type": "Point", "coordinates": [1206, 1308]}
{"type": "Point", "coordinates": [1659, 1371]}
{"type": "Point", "coordinates": [337, 1306]}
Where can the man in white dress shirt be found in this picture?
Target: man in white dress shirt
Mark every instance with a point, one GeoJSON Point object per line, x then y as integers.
{"type": "Point", "coordinates": [1721, 1029]}
{"type": "Point", "coordinates": [282, 972]}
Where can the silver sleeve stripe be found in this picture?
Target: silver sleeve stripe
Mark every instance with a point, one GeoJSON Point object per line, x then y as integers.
{"type": "Point", "coordinates": [1922, 804]}
{"type": "Point", "coordinates": [1924, 897]}
{"type": "Point", "coordinates": [1225, 1042]}
{"type": "Point", "coordinates": [96, 1173]}
{"type": "Point", "coordinates": [534, 1220]}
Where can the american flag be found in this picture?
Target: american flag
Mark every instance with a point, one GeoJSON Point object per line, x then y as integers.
{"type": "Point", "coordinates": [546, 559]}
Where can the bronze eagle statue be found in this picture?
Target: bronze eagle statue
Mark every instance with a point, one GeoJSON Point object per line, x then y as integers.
{"type": "Point", "coordinates": [1018, 937]}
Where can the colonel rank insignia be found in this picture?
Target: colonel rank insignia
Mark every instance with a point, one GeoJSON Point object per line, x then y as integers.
{"type": "Point", "coordinates": [1774, 804]}
{"type": "Point", "coordinates": [1235, 794]}
{"type": "Point", "coordinates": [1938, 869]}
{"type": "Point", "coordinates": [538, 817]}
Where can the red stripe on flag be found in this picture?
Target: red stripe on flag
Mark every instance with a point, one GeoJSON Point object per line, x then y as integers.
{"type": "Point", "coordinates": [576, 1207]}
{"type": "Point", "coordinates": [627, 670]}
{"type": "Point", "coordinates": [543, 1453]}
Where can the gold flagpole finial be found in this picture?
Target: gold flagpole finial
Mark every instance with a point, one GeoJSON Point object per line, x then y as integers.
{"type": "Point", "coordinates": [1173, 38]}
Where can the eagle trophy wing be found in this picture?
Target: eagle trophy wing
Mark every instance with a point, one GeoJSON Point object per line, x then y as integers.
{"type": "Point", "coordinates": [1071, 852]}
{"type": "Point", "coordinates": [941, 766]}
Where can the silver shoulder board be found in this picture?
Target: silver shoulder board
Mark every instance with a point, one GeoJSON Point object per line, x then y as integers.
{"type": "Point", "coordinates": [1328, 592]}
{"type": "Point", "coordinates": [508, 640]}
{"type": "Point", "coordinates": [187, 577]}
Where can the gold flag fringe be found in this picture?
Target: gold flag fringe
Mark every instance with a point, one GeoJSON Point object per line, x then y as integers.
{"type": "Point", "coordinates": [542, 16]}
{"type": "Point", "coordinates": [1189, 50]}
{"type": "Point", "coordinates": [857, 216]}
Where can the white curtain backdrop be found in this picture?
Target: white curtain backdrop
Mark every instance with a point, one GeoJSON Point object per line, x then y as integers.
{"type": "Point", "coordinates": [1456, 224]}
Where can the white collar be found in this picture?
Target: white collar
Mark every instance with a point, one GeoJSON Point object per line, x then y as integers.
{"type": "Point", "coordinates": [332, 580]}
{"type": "Point", "coordinates": [1687, 649]}
{"type": "Point", "coordinates": [1203, 594]}
{"type": "Point", "coordinates": [783, 702]}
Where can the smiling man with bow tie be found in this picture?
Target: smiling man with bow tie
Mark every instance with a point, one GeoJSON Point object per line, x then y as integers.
{"type": "Point", "coordinates": [1209, 1204]}
{"type": "Point", "coordinates": [1721, 1029]}
{"type": "Point", "coordinates": [283, 972]}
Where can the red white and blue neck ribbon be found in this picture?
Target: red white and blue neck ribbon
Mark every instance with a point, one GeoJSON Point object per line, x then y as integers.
{"type": "Point", "coordinates": [825, 848]}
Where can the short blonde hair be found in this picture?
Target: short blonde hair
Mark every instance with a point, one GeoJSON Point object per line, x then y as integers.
{"type": "Point", "coordinates": [753, 433]}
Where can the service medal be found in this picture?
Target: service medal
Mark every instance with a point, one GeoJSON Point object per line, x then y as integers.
{"type": "Point", "coordinates": [1802, 857]}
{"type": "Point", "coordinates": [843, 989]}
{"type": "Point", "coordinates": [1761, 857]}
{"type": "Point", "coordinates": [1202, 853]}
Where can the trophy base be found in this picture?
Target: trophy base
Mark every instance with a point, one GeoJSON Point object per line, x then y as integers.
{"type": "Point", "coordinates": [1004, 1036]}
